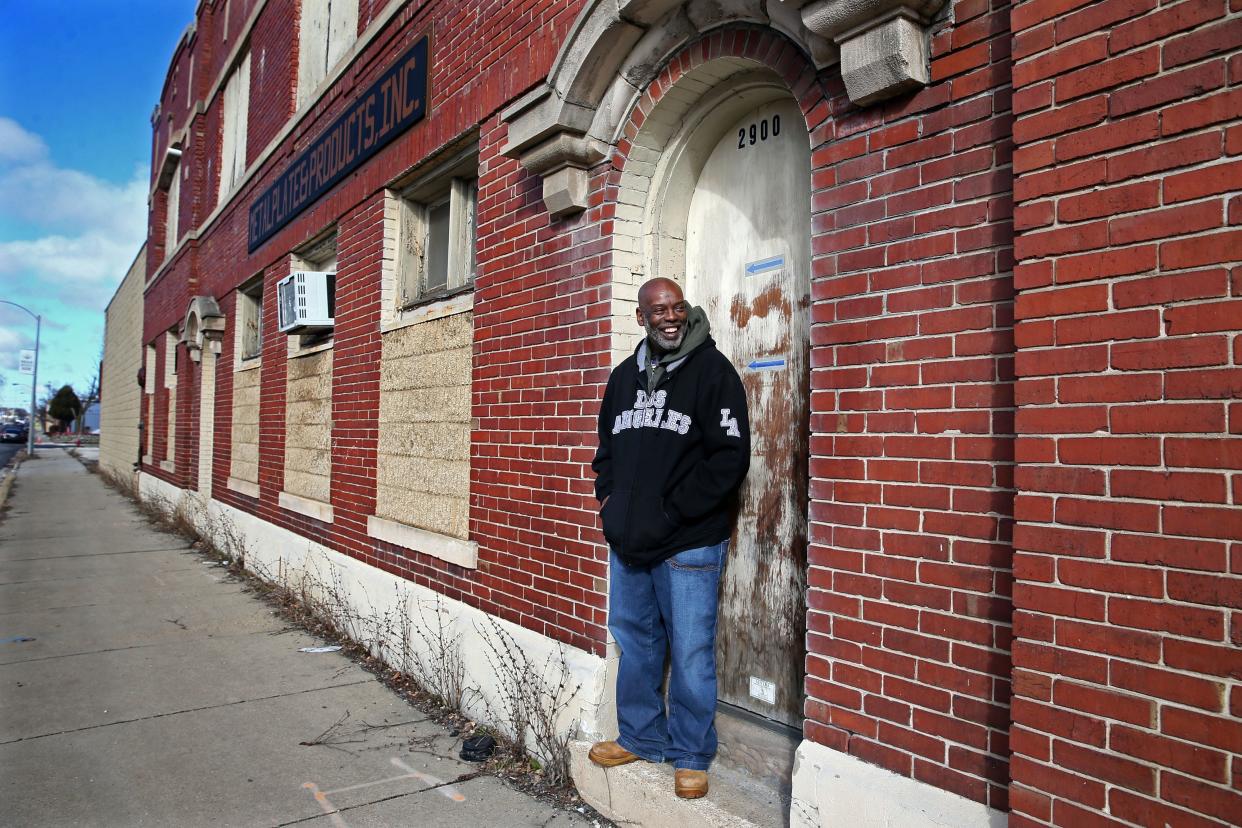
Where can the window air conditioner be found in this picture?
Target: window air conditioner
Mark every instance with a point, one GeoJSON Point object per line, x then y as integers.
{"type": "Point", "coordinates": [306, 300]}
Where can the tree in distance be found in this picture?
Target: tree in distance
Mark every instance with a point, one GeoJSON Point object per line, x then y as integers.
{"type": "Point", "coordinates": [65, 407]}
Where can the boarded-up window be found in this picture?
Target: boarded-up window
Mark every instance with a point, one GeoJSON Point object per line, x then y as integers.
{"type": "Point", "coordinates": [170, 382]}
{"type": "Point", "coordinates": [327, 30]}
{"type": "Point", "coordinates": [308, 400]}
{"type": "Point", "coordinates": [148, 387]}
{"type": "Point", "coordinates": [247, 385]}
{"type": "Point", "coordinates": [423, 475]}
{"type": "Point", "coordinates": [233, 134]}
{"type": "Point", "coordinates": [172, 211]}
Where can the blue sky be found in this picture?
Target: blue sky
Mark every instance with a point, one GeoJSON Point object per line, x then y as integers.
{"type": "Point", "coordinates": [78, 82]}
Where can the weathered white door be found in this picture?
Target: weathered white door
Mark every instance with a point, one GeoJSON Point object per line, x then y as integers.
{"type": "Point", "coordinates": [748, 265]}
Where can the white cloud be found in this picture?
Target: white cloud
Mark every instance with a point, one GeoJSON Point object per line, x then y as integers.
{"type": "Point", "coordinates": [53, 198]}
{"type": "Point", "coordinates": [79, 233]}
{"type": "Point", "coordinates": [10, 342]}
{"type": "Point", "coordinates": [16, 144]}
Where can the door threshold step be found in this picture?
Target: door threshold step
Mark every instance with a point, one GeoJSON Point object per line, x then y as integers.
{"type": "Point", "coordinates": [641, 793]}
{"type": "Point", "coordinates": [757, 748]}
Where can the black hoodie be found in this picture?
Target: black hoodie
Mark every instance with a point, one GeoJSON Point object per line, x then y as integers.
{"type": "Point", "coordinates": [670, 462]}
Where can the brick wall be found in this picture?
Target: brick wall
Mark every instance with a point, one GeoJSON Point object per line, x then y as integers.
{"type": "Point", "coordinates": [1127, 616]}
{"type": "Point", "coordinates": [531, 590]}
{"type": "Point", "coordinates": [540, 366]}
{"type": "Point", "coordinates": [912, 419]}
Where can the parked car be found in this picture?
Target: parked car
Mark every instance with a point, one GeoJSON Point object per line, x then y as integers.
{"type": "Point", "coordinates": [13, 433]}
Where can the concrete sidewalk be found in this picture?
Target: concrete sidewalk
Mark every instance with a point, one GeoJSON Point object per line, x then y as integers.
{"type": "Point", "coordinates": [153, 691]}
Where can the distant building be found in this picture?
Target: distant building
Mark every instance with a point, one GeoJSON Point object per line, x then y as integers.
{"type": "Point", "coordinates": [977, 263]}
{"type": "Point", "coordinates": [120, 394]}
{"type": "Point", "coordinates": [90, 420]}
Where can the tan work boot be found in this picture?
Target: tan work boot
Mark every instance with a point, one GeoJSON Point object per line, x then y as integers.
{"type": "Point", "coordinates": [690, 784]}
{"type": "Point", "coordinates": [610, 754]}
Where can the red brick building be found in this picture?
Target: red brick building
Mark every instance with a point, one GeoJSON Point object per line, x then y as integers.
{"type": "Point", "coordinates": [978, 264]}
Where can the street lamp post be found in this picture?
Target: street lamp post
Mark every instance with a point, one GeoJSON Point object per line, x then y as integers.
{"type": "Point", "coordinates": [34, 378]}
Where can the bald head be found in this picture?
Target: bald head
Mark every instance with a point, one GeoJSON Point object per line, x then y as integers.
{"type": "Point", "coordinates": [662, 312]}
{"type": "Point", "coordinates": [652, 287]}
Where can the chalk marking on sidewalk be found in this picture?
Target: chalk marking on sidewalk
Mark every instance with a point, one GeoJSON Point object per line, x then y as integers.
{"type": "Point", "coordinates": [440, 785]}
{"type": "Point", "coordinates": [334, 812]}
{"type": "Point", "coordinates": [326, 804]}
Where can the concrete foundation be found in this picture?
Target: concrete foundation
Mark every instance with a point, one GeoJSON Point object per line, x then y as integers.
{"type": "Point", "coordinates": [831, 788]}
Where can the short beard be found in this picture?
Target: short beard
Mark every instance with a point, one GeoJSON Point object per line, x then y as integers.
{"type": "Point", "coordinates": [660, 341]}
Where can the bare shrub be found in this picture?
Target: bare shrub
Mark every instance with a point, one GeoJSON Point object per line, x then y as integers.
{"type": "Point", "coordinates": [438, 664]}
{"type": "Point", "coordinates": [532, 700]}
{"type": "Point", "coordinates": [126, 484]}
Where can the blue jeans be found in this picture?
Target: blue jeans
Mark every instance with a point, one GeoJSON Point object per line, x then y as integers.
{"type": "Point", "coordinates": [668, 609]}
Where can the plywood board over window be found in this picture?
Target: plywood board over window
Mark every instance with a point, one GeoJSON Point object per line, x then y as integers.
{"type": "Point", "coordinates": [308, 427]}
{"type": "Point", "coordinates": [327, 30]}
{"type": "Point", "coordinates": [423, 479]}
{"type": "Point", "coordinates": [233, 133]}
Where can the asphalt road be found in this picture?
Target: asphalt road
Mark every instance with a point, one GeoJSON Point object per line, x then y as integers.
{"type": "Point", "coordinates": [7, 450]}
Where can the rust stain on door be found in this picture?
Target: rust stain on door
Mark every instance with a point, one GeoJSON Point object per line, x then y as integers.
{"type": "Point", "coordinates": [748, 265]}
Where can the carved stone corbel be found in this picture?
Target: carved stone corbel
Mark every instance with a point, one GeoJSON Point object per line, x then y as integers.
{"type": "Point", "coordinates": [204, 325]}
{"type": "Point", "coordinates": [883, 43]}
{"type": "Point", "coordinates": [563, 161]}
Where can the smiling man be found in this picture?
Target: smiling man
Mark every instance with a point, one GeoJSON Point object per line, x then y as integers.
{"type": "Point", "coordinates": [674, 446]}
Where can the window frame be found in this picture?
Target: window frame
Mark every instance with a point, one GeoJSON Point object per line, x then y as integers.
{"type": "Point", "coordinates": [250, 297]}
{"type": "Point", "coordinates": [172, 210]}
{"type": "Point", "coordinates": [455, 181]}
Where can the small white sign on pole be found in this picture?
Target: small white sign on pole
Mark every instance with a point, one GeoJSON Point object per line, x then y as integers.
{"type": "Point", "coordinates": [25, 362]}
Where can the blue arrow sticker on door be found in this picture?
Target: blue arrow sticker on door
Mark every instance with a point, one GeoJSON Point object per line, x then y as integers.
{"type": "Point", "coordinates": [766, 364]}
{"type": "Point", "coordinates": [765, 266]}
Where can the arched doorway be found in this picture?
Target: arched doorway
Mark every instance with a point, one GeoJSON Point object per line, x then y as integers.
{"type": "Point", "coordinates": [728, 215]}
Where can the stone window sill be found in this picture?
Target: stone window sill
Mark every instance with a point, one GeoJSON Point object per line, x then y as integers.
{"type": "Point", "coordinates": [296, 351]}
{"type": "Point", "coordinates": [453, 550]}
{"type": "Point", "coordinates": [305, 506]}
{"type": "Point", "coordinates": [243, 487]}
{"type": "Point", "coordinates": [451, 306]}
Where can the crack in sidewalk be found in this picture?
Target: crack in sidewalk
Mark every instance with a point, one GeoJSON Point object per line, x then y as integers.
{"type": "Point", "coordinates": [4, 561]}
{"type": "Point", "coordinates": [93, 577]}
{"type": "Point", "coordinates": [368, 680]}
{"type": "Point", "coordinates": [179, 642]}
